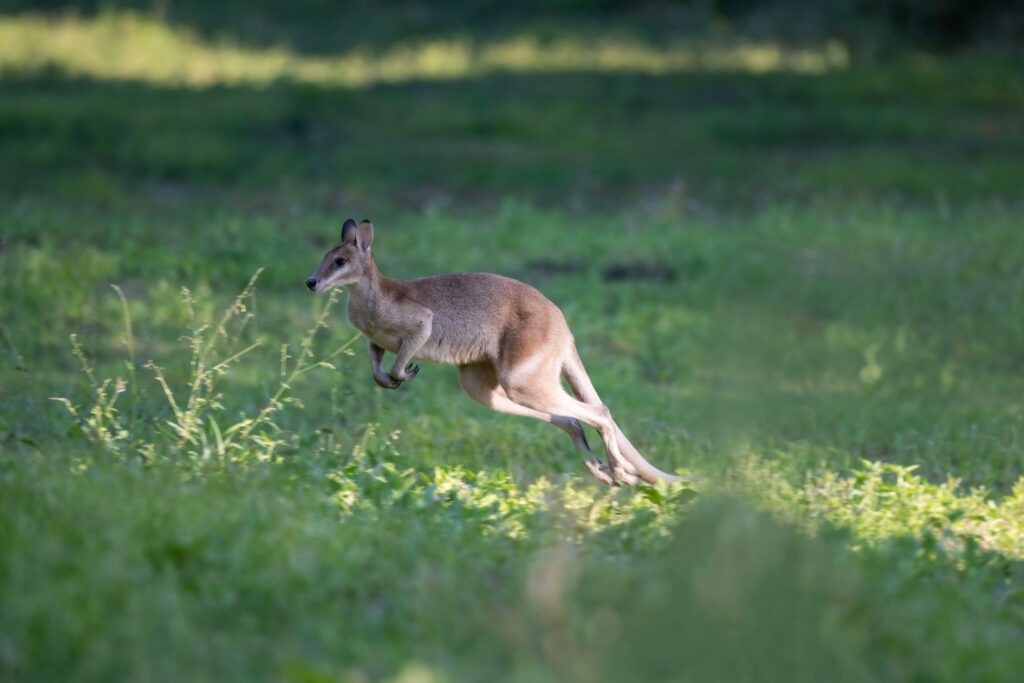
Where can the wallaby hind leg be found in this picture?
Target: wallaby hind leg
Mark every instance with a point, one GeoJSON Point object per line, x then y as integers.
{"type": "Point", "coordinates": [633, 462]}
{"type": "Point", "coordinates": [535, 384]}
{"type": "Point", "coordinates": [480, 382]}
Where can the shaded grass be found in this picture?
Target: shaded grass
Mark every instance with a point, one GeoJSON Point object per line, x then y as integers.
{"type": "Point", "coordinates": [590, 140]}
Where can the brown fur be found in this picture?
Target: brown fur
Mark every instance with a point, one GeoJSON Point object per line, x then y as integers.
{"type": "Point", "coordinates": [512, 345]}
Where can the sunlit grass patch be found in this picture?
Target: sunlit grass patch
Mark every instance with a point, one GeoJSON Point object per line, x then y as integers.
{"type": "Point", "coordinates": [879, 501]}
{"type": "Point", "coordinates": [136, 47]}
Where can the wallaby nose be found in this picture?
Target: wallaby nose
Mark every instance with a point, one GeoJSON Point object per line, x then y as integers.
{"type": "Point", "coordinates": [311, 283]}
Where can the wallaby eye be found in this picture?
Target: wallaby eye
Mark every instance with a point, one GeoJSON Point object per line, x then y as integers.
{"type": "Point", "coordinates": [339, 262]}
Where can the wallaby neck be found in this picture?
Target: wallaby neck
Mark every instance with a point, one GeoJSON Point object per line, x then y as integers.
{"type": "Point", "coordinates": [368, 291]}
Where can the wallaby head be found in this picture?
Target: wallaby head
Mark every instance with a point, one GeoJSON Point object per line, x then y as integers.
{"type": "Point", "coordinates": [348, 262]}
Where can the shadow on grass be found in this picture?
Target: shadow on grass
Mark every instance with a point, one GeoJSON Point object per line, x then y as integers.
{"type": "Point", "coordinates": [735, 596]}
{"type": "Point", "coordinates": [580, 140]}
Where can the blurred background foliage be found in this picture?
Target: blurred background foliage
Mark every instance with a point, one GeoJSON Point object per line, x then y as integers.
{"type": "Point", "coordinates": [787, 237]}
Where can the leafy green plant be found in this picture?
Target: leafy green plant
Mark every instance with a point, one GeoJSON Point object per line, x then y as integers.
{"type": "Point", "coordinates": [194, 430]}
{"type": "Point", "coordinates": [99, 421]}
{"type": "Point", "coordinates": [879, 501]}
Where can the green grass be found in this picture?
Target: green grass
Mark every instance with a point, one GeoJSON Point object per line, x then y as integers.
{"type": "Point", "coordinates": [806, 288]}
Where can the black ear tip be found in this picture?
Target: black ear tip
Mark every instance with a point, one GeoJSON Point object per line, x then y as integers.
{"type": "Point", "coordinates": [350, 223]}
{"type": "Point", "coordinates": [366, 220]}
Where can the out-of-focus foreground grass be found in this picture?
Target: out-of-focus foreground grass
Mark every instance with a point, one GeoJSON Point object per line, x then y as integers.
{"type": "Point", "coordinates": [793, 275]}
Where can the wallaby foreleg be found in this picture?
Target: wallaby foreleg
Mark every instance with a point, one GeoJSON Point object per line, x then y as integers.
{"type": "Point", "coordinates": [379, 376]}
{"type": "Point", "coordinates": [402, 369]}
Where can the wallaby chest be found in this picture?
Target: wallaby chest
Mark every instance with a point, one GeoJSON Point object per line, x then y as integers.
{"type": "Point", "coordinates": [376, 322]}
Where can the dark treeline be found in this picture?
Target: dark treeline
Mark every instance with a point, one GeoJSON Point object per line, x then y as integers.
{"type": "Point", "coordinates": [869, 27]}
{"type": "Point", "coordinates": [942, 25]}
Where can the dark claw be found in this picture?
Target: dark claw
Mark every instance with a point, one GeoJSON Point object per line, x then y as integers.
{"type": "Point", "coordinates": [600, 470]}
{"type": "Point", "coordinates": [412, 370]}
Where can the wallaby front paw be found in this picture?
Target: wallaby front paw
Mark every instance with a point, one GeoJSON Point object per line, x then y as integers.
{"type": "Point", "coordinates": [410, 371]}
{"type": "Point", "coordinates": [387, 381]}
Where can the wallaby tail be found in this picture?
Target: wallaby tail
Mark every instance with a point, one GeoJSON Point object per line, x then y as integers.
{"type": "Point", "coordinates": [576, 376]}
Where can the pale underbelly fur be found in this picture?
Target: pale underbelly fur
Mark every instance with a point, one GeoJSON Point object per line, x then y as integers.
{"type": "Point", "coordinates": [436, 350]}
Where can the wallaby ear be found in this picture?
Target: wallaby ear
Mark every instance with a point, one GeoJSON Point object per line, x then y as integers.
{"type": "Point", "coordinates": [348, 231]}
{"type": "Point", "coordinates": [364, 235]}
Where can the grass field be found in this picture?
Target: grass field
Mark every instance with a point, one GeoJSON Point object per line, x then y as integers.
{"type": "Point", "coordinates": [795, 276]}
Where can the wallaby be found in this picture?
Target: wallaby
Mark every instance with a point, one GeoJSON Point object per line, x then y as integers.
{"type": "Point", "coordinates": [512, 345]}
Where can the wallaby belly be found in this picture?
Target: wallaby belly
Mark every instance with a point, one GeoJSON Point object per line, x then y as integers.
{"type": "Point", "coordinates": [446, 346]}
{"type": "Point", "coordinates": [454, 346]}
